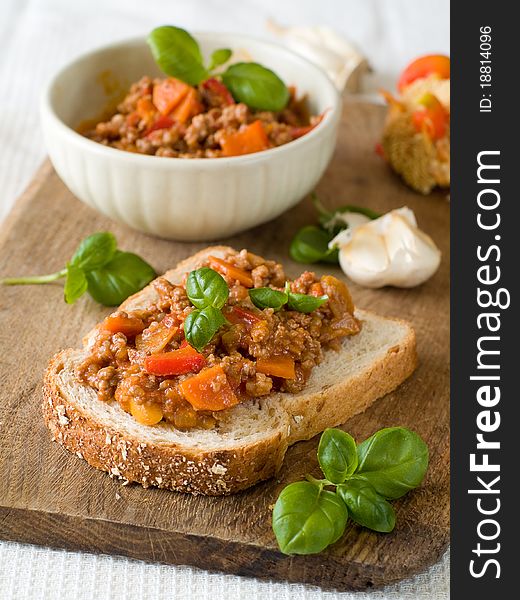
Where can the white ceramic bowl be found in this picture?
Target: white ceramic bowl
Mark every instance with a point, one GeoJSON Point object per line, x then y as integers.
{"type": "Point", "coordinates": [183, 199]}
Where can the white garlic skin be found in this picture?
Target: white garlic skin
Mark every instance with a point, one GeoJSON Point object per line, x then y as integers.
{"type": "Point", "coordinates": [390, 250]}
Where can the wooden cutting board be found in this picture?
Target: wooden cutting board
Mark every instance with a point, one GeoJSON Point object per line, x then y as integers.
{"type": "Point", "coordinates": [52, 498]}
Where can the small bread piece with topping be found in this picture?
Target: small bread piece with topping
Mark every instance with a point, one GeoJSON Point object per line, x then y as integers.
{"type": "Point", "coordinates": [416, 136]}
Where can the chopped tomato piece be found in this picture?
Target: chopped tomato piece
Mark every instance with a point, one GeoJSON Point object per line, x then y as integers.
{"type": "Point", "coordinates": [241, 316]}
{"type": "Point", "coordinates": [188, 107]}
{"type": "Point", "coordinates": [177, 362]}
{"type": "Point", "coordinates": [230, 271]}
{"type": "Point", "coordinates": [432, 64]}
{"type": "Point", "coordinates": [146, 414]}
{"type": "Point", "coordinates": [431, 118]}
{"type": "Point", "coordinates": [146, 109]}
{"type": "Point", "coordinates": [248, 139]}
{"type": "Point", "coordinates": [209, 390]}
{"type": "Point", "coordinates": [217, 88]}
{"type": "Point", "coordinates": [169, 93]}
{"type": "Point", "coordinates": [379, 150]}
{"type": "Point", "coordinates": [130, 326]}
{"type": "Point", "coordinates": [277, 366]}
{"type": "Point", "coordinates": [163, 122]}
{"type": "Point", "coordinates": [298, 132]}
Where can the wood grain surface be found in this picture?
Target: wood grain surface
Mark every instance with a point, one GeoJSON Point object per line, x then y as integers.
{"type": "Point", "coordinates": [50, 497]}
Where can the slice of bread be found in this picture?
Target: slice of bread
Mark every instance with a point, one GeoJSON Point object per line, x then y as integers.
{"type": "Point", "coordinates": [251, 439]}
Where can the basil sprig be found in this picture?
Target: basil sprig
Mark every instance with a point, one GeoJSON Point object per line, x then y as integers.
{"type": "Point", "coordinates": [99, 268]}
{"type": "Point", "coordinates": [307, 517]}
{"type": "Point", "coordinates": [311, 243]}
{"type": "Point", "coordinates": [208, 291]}
{"type": "Point", "coordinates": [266, 297]}
{"type": "Point", "coordinates": [178, 54]}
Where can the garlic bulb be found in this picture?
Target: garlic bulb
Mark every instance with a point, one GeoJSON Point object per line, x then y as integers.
{"type": "Point", "coordinates": [390, 250]}
{"type": "Point", "coordinates": [342, 62]}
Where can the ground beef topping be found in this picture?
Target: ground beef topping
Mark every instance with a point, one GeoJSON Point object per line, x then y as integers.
{"type": "Point", "coordinates": [255, 353]}
{"type": "Point", "coordinates": [166, 117]}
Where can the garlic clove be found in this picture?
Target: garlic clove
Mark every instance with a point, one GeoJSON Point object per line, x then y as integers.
{"type": "Point", "coordinates": [390, 250]}
{"type": "Point", "coordinates": [352, 220]}
{"type": "Point", "coordinates": [412, 253]}
{"type": "Point", "coordinates": [365, 259]}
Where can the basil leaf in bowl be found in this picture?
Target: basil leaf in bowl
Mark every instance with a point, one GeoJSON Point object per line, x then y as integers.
{"type": "Point", "coordinates": [257, 86]}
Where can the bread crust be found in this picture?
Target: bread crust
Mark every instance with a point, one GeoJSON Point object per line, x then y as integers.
{"type": "Point", "coordinates": [220, 471]}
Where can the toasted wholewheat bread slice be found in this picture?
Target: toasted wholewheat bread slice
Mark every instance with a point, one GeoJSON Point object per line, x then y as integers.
{"type": "Point", "coordinates": [251, 439]}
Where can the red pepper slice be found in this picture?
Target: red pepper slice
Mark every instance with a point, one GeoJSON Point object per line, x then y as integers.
{"type": "Point", "coordinates": [177, 362]}
{"type": "Point", "coordinates": [163, 122]}
{"type": "Point", "coordinates": [241, 316]}
{"type": "Point", "coordinates": [217, 88]}
{"type": "Point", "coordinates": [431, 118]}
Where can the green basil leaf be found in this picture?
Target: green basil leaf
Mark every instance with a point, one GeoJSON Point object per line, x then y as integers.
{"type": "Point", "coordinates": [307, 519]}
{"type": "Point", "coordinates": [94, 251]}
{"type": "Point", "coordinates": [311, 245]}
{"type": "Point", "coordinates": [178, 54]}
{"type": "Point", "coordinates": [219, 57]}
{"type": "Point", "coordinates": [201, 325]}
{"type": "Point", "coordinates": [206, 287]}
{"type": "Point", "coordinates": [256, 86]}
{"type": "Point", "coordinates": [75, 285]}
{"type": "Point", "coordinates": [365, 506]}
{"type": "Point", "coordinates": [393, 460]}
{"type": "Point", "coordinates": [266, 297]}
{"type": "Point", "coordinates": [337, 455]}
{"type": "Point", "coordinates": [123, 276]}
{"type": "Point", "coordinates": [304, 303]}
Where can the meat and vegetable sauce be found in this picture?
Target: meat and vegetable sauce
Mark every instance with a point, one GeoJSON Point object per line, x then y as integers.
{"type": "Point", "coordinates": [167, 117]}
{"type": "Point", "coordinates": [268, 334]}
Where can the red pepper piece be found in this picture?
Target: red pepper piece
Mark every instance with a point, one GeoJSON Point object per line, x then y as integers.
{"type": "Point", "coordinates": [177, 362]}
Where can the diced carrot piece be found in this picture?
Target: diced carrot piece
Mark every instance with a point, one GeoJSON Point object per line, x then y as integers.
{"type": "Point", "coordinates": [277, 366]}
{"type": "Point", "coordinates": [130, 326]}
{"type": "Point", "coordinates": [424, 66]}
{"type": "Point", "coordinates": [223, 267]}
{"type": "Point", "coordinates": [177, 362]}
{"type": "Point", "coordinates": [146, 109]}
{"type": "Point", "coordinates": [188, 107]}
{"type": "Point", "coordinates": [209, 390]}
{"type": "Point", "coordinates": [168, 94]}
{"type": "Point", "coordinates": [316, 289]}
{"type": "Point", "coordinates": [146, 414]}
{"type": "Point", "coordinates": [246, 140]}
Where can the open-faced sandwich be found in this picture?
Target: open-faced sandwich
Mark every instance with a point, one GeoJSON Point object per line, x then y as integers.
{"type": "Point", "coordinates": [202, 380]}
{"type": "Point", "coordinates": [416, 137]}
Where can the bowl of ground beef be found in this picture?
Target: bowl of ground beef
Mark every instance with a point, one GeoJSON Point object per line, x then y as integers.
{"type": "Point", "coordinates": [207, 169]}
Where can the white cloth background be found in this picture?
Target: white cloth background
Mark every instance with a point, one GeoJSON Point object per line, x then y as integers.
{"type": "Point", "coordinates": [39, 36]}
